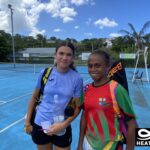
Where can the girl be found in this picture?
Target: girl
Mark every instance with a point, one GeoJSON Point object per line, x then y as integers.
{"type": "Point", "coordinates": [99, 121]}
{"type": "Point", "coordinates": [63, 84]}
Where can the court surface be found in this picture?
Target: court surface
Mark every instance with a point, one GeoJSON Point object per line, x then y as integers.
{"type": "Point", "coordinates": [15, 90]}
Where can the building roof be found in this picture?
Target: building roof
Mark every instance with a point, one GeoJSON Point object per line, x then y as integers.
{"type": "Point", "coordinates": [38, 52]}
{"type": "Point", "coordinates": [50, 50]}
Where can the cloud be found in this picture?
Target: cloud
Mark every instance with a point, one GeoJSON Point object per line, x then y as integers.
{"type": "Point", "coordinates": [61, 9]}
{"type": "Point", "coordinates": [54, 7]}
{"type": "Point", "coordinates": [115, 35]}
{"type": "Point", "coordinates": [67, 14]}
{"type": "Point", "coordinates": [57, 30]}
{"type": "Point", "coordinates": [88, 34]}
{"type": "Point", "coordinates": [26, 13]}
{"type": "Point", "coordinates": [105, 22]}
{"type": "Point", "coordinates": [79, 2]}
{"type": "Point", "coordinates": [76, 27]}
{"type": "Point", "coordinates": [4, 21]}
{"type": "Point", "coordinates": [82, 2]}
{"type": "Point", "coordinates": [35, 31]}
{"type": "Point", "coordinates": [28, 3]}
{"type": "Point", "coordinates": [25, 16]}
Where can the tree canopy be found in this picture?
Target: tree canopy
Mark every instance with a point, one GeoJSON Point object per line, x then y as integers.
{"type": "Point", "coordinates": [138, 37]}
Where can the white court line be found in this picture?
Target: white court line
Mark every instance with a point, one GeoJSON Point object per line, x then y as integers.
{"type": "Point", "coordinates": [12, 124]}
{"type": "Point", "coordinates": [18, 121]}
{"type": "Point", "coordinates": [16, 98]}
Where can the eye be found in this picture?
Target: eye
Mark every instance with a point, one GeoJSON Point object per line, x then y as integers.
{"type": "Point", "coordinates": [98, 65]}
{"type": "Point", "coordinates": [90, 65]}
{"type": "Point", "coordinates": [61, 53]}
{"type": "Point", "coordinates": [69, 54]}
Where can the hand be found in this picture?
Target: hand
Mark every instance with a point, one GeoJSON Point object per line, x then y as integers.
{"type": "Point", "coordinates": [28, 128]}
{"type": "Point", "coordinates": [55, 128]}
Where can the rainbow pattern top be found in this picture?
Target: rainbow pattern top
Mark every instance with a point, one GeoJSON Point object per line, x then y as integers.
{"type": "Point", "coordinates": [102, 125]}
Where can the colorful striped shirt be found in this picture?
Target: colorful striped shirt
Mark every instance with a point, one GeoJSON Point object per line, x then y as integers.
{"type": "Point", "coordinates": [102, 125]}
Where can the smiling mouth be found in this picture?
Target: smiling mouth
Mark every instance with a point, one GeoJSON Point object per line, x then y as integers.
{"type": "Point", "coordinates": [64, 62]}
{"type": "Point", "coordinates": [94, 74]}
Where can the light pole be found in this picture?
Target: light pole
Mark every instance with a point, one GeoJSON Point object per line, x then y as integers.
{"type": "Point", "coordinates": [12, 29]}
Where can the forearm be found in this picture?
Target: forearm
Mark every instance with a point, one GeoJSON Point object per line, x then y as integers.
{"type": "Point", "coordinates": [131, 135]}
{"type": "Point", "coordinates": [82, 130]}
{"type": "Point", "coordinates": [73, 104]}
{"type": "Point", "coordinates": [70, 119]}
{"type": "Point", "coordinates": [31, 106]}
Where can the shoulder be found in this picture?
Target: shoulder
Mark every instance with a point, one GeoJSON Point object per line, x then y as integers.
{"type": "Point", "coordinates": [47, 70]}
{"type": "Point", "coordinates": [75, 74]}
{"type": "Point", "coordinates": [115, 84]}
{"type": "Point", "coordinates": [41, 72]}
{"type": "Point", "coordinates": [118, 88]}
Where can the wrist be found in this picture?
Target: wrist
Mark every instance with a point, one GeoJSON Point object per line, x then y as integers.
{"type": "Point", "coordinates": [27, 124]}
{"type": "Point", "coordinates": [65, 123]}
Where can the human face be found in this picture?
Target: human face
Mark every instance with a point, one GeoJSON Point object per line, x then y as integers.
{"type": "Point", "coordinates": [64, 57]}
{"type": "Point", "coordinates": [97, 68]}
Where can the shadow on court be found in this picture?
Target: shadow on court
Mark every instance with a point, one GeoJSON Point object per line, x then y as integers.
{"type": "Point", "coordinates": [15, 91]}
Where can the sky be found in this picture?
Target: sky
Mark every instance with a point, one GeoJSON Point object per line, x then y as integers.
{"type": "Point", "coordinates": [78, 19]}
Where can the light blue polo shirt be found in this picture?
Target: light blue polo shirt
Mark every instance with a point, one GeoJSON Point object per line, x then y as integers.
{"type": "Point", "coordinates": [59, 89]}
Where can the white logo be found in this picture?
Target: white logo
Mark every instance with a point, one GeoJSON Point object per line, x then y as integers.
{"type": "Point", "coordinates": [144, 134]}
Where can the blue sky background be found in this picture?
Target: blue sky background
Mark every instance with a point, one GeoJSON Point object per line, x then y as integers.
{"type": "Point", "coordinates": [77, 19]}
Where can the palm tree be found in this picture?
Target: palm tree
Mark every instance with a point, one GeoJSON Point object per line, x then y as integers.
{"type": "Point", "coordinates": [138, 37]}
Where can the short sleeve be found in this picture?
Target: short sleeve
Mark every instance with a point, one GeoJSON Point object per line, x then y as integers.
{"type": "Point", "coordinates": [81, 102]}
{"type": "Point", "coordinates": [124, 102]}
{"type": "Point", "coordinates": [38, 82]}
{"type": "Point", "coordinates": [78, 87]}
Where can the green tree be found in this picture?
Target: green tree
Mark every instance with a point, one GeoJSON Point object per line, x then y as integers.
{"type": "Point", "coordinates": [137, 36]}
{"type": "Point", "coordinates": [41, 40]}
{"type": "Point", "coordinates": [29, 41]}
{"type": "Point", "coordinates": [122, 44]}
{"type": "Point", "coordinates": [4, 48]}
{"type": "Point", "coordinates": [19, 43]}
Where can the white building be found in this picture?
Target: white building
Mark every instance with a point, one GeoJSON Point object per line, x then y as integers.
{"type": "Point", "coordinates": [38, 52]}
{"type": "Point", "coordinates": [108, 43]}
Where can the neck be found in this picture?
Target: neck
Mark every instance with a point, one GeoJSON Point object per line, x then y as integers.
{"type": "Point", "coordinates": [101, 82]}
{"type": "Point", "coordinates": [62, 70]}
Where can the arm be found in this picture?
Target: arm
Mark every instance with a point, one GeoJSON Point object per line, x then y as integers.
{"type": "Point", "coordinates": [82, 130]}
{"type": "Point", "coordinates": [132, 125]}
{"type": "Point", "coordinates": [76, 112]}
{"type": "Point", "coordinates": [57, 127]}
{"type": "Point", "coordinates": [28, 126]}
{"type": "Point", "coordinates": [125, 104]}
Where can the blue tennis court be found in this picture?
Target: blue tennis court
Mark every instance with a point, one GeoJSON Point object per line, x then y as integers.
{"type": "Point", "coordinates": [16, 88]}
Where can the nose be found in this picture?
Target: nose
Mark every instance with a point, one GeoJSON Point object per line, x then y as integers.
{"type": "Point", "coordinates": [65, 57]}
{"type": "Point", "coordinates": [92, 68]}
